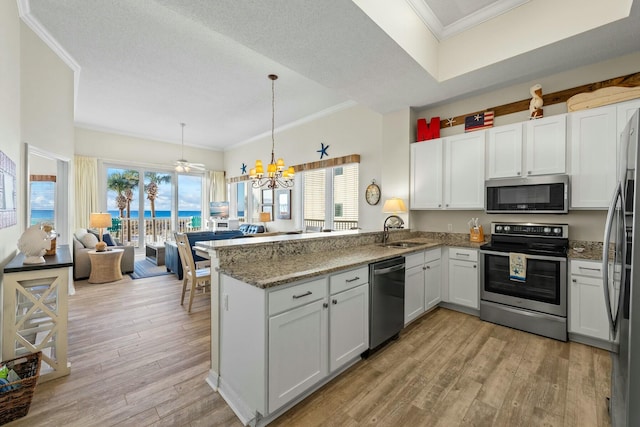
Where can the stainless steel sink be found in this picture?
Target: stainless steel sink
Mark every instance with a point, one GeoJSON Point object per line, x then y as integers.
{"type": "Point", "coordinates": [400, 245]}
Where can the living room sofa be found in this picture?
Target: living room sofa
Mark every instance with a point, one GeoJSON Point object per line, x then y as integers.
{"type": "Point", "coordinates": [81, 248]}
{"type": "Point", "coordinates": [172, 258]}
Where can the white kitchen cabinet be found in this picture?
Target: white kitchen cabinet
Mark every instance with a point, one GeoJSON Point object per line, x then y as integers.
{"type": "Point", "coordinates": [546, 141]}
{"type": "Point", "coordinates": [587, 310]}
{"type": "Point", "coordinates": [298, 351]}
{"type": "Point", "coordinates": [414, 287]}
{"type": "Point", "coordinates": [464, 171]}
{"type": "Point", "coordinates": [426, 175]}
{"type": "Point", "coordinates": [504, 151]}
{"type": "Point", "coordinates": [593, 148]}
{"type": "Point", "coordinates": [348, 325]}
{"type": "Point", "coordinates": [535, 147]}
{"type": "Point", "coordinates": [277, 344]}
{"type": "Point", "coordinates": [423, 280]}
{"type": "Point", "coordinates": [433, 280]}
{"type": "Point", "coordinates": [463, 277]}
{"type": "Point", "coordinates": [448, 173]}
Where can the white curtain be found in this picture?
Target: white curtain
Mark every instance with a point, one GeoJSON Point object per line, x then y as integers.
{"type": "Point", "coordinates": [218, 186]}
{"type": "Point", "coordinates": [86, 189]}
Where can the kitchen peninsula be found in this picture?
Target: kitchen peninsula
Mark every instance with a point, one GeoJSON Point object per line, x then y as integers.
{"type": "Point", "coordinates": [263, 283]}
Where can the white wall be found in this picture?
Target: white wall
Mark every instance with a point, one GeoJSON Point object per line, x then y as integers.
{"type": "Point", "coordinates": [46, 113]}
{"type": "Point", "coordinates": [356, 130]}
{"type": "Point", "coordinates": [10, 113]}
{"type": "Point", "coordinates": [584, 225]}
{"type": "Point", "coordinates": [127, 149]}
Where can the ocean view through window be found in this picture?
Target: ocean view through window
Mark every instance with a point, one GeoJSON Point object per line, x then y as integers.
{"type": "Point", "coordinates": [149, 206]}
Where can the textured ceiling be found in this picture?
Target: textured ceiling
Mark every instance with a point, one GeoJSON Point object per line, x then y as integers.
{"type": "Point", "coordinates": [146, 66]}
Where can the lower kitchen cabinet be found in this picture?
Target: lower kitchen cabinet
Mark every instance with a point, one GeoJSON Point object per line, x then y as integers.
{"type": "Point", "coordinates": [433, 280]}
{"type": "Point", "coordinates": [277, 344]}
{"type": "Point", "coordinates": [463, 277]}
{"type": "Point", "coordinates": [298, 351]}
{"type": "Point", "coordinates": [587, 310]}
{"type": "Point", "coordinates": [423, 278]}
{"type": "Point", "coordinates": [348, 326]}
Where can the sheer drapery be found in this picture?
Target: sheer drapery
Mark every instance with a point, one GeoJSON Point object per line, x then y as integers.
{"type": "Point", "coordinates": [86, 189]}
{"type": "Point", "coordinates": [218, 186]}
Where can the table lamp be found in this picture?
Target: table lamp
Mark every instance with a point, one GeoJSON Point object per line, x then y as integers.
{"type": "Point", "coordinates": [100, 221]}
{"type": "Point", "coordinates": [264, 218]}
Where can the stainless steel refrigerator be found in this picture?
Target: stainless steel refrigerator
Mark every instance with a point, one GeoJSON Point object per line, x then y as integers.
{"type": "Point", "coordinates": [622, 282]}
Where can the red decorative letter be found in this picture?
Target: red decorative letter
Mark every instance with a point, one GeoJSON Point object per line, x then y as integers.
{"type": "Point", "coordinates": [428, 131]}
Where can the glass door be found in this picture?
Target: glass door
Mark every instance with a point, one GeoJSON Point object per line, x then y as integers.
{"type": "Point", "coordinates": [123, 188]}
{"type": "Point", "coordinates": [189, 203]}
{"type": "Point", "coordinates": [157, 206]}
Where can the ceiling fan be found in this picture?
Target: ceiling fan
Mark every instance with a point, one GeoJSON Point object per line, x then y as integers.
{"type": "Point", "coordinates": [182, 165]}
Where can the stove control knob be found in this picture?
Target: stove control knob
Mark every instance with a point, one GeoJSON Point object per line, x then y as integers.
{"type": "Point", "coordinates": [557, 230]}
{"type": "Point", "coordinates": [547, 230]}
{"type": "Point", "coordinates": [498, 228]}
{"type": "Point", "coordinates": [507, 228]}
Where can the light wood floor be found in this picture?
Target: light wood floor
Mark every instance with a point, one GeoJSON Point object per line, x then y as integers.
{"type": "Point", "coordinates": [139, 359]}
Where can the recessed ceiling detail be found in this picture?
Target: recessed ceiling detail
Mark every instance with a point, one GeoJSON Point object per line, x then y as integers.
{"type": "Point", "coordinates": [446, 18]}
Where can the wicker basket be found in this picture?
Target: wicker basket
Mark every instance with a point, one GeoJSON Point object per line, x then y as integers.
{"type": "Point", "coordinates": [15, 403]}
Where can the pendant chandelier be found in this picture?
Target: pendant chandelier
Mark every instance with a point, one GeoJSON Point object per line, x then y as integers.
{"type": "Point", "coordinates": [278, 175]}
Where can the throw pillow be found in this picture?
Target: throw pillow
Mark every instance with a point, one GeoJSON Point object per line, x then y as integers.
{"type": "Point", "coordinates": [89, 241]}
{"type": "Point", "coordinates": [80, 233]}
{"type": "Point", "coordinates": [108, 240]}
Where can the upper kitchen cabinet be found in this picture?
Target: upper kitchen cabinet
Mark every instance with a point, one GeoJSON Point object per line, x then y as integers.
{"type": "Point", "coordinates": [448, 173]}
{"type": "Point", "coordinates": [504, 151]}
{"type": "Point", "coordinates": [464, 171]}
{"type": "Point", "coordinates": [426, 175]}
{"type": "Point", "coordinates": [593, 151]}
{"type": "Point", "coordinates": [536, 147]}
{"type": "Point", "coordinates": [546, 145]}
{"type": "Point", "coordinates": [593, 145]}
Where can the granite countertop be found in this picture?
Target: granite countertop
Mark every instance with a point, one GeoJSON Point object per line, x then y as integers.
{"type": "Point", "coordinates": [585, 250]}
{"type": "Point", "coordinates": [305, 266]}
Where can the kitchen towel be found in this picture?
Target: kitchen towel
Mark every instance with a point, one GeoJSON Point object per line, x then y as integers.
{"type": "Point", "coordinates": [517, 267]}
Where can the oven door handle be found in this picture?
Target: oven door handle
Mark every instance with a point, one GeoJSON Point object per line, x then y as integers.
{"type": "Point", "coordinates": [539, 257]}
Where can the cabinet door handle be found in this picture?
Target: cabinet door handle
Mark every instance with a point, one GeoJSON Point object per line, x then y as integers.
{"type": "Point", "coordinates": [574, 280]}
{"type": "Point", "coordinates": [447, 205]}
{"type": "Point", "coordinates": [518, 173]}
{"type": "Point", "coordinates": [460, 254]}
{"type": "Point", "coordinates": [334, 301]}
{"type": "Point", "coordinates": [302, 295]}
{"type": "Point", "coordinates": [428, 267]}
{"type": "Point", "coordinates": [590, 269]}
{"type": "Point", "coordinates": [325, 305]}
{"type": "Point", "coordinates": [352, 280]}
{"type": "Point", "coordinates": [439, 205]}
{"type": "Point", "coordinates": [528, 172]}
{"type": "Point", "coordinates": [475, 266]}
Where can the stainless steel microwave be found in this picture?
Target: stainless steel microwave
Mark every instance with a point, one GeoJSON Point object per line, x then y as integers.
{"type": "Point", "coordinates": [538, 194]}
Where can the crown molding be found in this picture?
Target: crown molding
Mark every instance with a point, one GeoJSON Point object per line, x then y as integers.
{"type": "Point", "coordinates": [441, 32]}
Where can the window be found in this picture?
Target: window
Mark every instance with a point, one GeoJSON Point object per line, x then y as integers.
{"type": "Point", "coordinates": [331, 197]}
{"type": "Point", "coordinates": [42, 195]}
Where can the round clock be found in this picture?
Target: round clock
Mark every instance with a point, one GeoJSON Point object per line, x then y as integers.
{"type": "Point", "coordinates": [372, 193]}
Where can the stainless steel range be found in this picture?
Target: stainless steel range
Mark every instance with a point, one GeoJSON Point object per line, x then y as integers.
{"type": "Point", "coordinates": [523, 276]}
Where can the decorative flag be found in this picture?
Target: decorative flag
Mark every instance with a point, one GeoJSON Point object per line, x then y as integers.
{"type": "Point", "coordinates": [478, 121]}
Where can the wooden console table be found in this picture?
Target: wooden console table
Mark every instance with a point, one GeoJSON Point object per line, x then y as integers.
{"type": "Point", "coordinates": [105, 266]}
{"type": "Point", "coordinates": [34, 311]}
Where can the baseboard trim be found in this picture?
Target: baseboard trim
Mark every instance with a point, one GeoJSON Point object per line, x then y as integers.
{"type": "Point", "coordinates": [593, 342]}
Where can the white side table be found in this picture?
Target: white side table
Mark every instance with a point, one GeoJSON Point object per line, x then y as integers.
{"type": "Point", "coordinates": [105, 266]}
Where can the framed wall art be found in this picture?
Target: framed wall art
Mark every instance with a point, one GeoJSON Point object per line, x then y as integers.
{"type": "Point", "coordinates": [8, 214]}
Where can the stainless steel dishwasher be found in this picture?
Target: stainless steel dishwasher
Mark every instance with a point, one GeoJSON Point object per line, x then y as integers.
{"type": "Point", "coordinates": [386, 302]}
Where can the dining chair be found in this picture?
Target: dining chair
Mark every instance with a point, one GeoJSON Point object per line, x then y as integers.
{"type": "Point", "coordinates": [200, 278]}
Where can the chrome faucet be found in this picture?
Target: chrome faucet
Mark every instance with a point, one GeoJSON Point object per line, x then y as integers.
{"type": "Point", "coordinates": [399, 223]}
